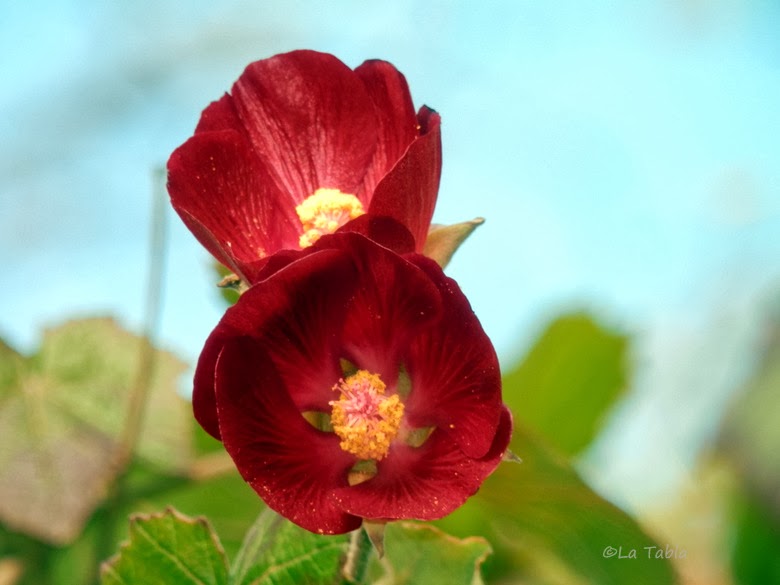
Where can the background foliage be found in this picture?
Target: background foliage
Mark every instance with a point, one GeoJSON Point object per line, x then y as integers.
{"type": "Point", "coordinates": [66, 493]}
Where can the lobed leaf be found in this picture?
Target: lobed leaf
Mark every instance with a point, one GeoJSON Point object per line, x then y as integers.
{"type": "Point", "coordinates": [168, 548]}
{"type": "Point", "coordinates": [277, 552]}
{"type": "Point", "coordinates": [61, 415]}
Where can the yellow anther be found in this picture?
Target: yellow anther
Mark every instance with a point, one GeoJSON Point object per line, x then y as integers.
{"type": "Point", "coordinates": [364, 418]}
{"type": "Point", "coordinates": [324, 212]}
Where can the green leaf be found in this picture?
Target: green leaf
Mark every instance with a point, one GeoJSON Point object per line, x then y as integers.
{"type": "Point", "coordinates": [11, 364]}
{"type": "Point", "coordinates": [755, 556]}
{"type": "Point", "coordinates": [91, 366]}
{"type": "Point", "coordinates": [168, 548]}
{"type": "Point", "coordinates": [229, 503]}
{"type": "Point", "coordinates": [750, 433]}
{"type": "Point", "coordinates": [61, 415]}
{"type": "Point", "coordinates": [545, 522]}
{"type": "Point", "coordinates": [568, 381]}
{"type": "Point", "coordinates": [749, 439]}
{"type": "Point", "coordinates": [277, 552]}
{"type": "Point", "coordinates": [420, 554]}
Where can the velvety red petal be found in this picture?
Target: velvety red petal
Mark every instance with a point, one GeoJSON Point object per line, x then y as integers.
{"type": "Point", "coordinates": [398, 126]}
{"type": "Point", "coordinates": [297, 314]}
{"type": "Point", "coordinates": [289, 463]}
{"type": "Point", "coordinates": [383, 230]}
{"type": "Point", "coordinates": [456, 381]}
{"type": "Point", "coordinates": [209, 241]}
{"type": "Point", "coordinates": [393, 301]}
{"type": "Point", "coordinates": [408, 192]}
{"type": "Point", "coordinates": [310, 118]}
{"type": "Point", "coordinates": [219, 187]}
{"type": "Point", "coordinates": [425, 483]}
{"type": "Point", "coordinates": [220, 115]}
{"type": "Point", "coordinates": [204, 401]}
{"type": "Point", "coordinates": [259, 270]}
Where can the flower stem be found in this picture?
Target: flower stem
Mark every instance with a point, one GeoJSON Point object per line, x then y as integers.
{"type": "Point", "coordinates": [139, 392]}
{"type": "Point", "coordinates": [359, 551]}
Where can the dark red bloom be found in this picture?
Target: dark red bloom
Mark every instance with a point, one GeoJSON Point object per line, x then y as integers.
{"type": "Point", "coordinates": [300, 146]}
{"type": "Point", "coordinates": [352, 383]}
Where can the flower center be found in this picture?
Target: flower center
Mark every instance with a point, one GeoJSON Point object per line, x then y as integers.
{"type": "Point", "coordinates": [324, 212]}
{"type": "Point", "coordinates": [364, 418]}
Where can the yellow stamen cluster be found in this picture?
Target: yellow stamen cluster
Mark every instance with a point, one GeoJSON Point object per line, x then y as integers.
{"type": "Point", "coordinates": [364, 418]}
{"type": "Point", "coordinates": [324, 212]}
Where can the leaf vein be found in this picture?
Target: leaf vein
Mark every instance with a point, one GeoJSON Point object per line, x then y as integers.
{"type": "Point", "coordinates": [170, 556]}
{"type": "Point", "coordinates": [295, 560]}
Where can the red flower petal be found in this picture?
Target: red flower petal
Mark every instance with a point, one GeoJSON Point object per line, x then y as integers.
{"type": "Point", "coordinates": [425, 483]}
{"type": "Point", "coordinates": [393, 301]}
{"type": "Point", "coordinates": [220, 115]}
{"type": "Point", "coordinates": [259, 270]}
{"type": "Point", "coordinates": [310, 118]}
{"type": "Point", "coordinates": [219, 188]}
{"type": "Point", "coordinates": [383, 230]}
{"type": "Point", "coordinates": [408, 192]}
{"type": "Point", "coordinates": [456, 382]}
{"type": "Point", "coordinates": [291, 465]}
{"type": "Point", "coordinates": [398, 126]}
{"type": "Point", "coordinates": [204, 401]}
{"type": "Point", "coordinates": [293, 124]}
{"type": "Point", "coordinates": [297, 314]}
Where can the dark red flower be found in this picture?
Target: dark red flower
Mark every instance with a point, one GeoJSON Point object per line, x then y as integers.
{"type": "Point", "coordinates": [354, 383]}
{"type": "Point", "coordinates": [300, 146]}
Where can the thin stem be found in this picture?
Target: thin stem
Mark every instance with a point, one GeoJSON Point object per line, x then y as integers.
{"type": "Point", "coordinates": [140, 390]}
{"type": "Point", "coordinates": [359, 551]}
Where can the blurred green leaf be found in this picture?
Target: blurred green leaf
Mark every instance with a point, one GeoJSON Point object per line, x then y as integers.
{"type": "Point", "coordinates": [750, 438]}
{"type": "Point", "coordinates": [91, 365]}
{"type": "Point", "coordinates": [11, 364]}
{"type": "Point", "coordinates": [277, 552]}
{"type": "Point", "coordinates": [545, 523]}
{"type": "Point", "coordinates": [61, 415]}
{"type": "Point", "coordinates": [750, 433]}
{"type": "Point", "coordinates": [168, 548]}
{"type": "Point", "coordinates": [755, 558]}
{"type": "Point", "coordinates": [568, 380]}
{"type": "Point", "coordinates": [420, 554]}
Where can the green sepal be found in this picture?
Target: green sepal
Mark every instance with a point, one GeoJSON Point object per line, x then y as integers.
{"type": "Point", "coordinates": [417, 437]}
{"type": "Point", "coordinates": [444, 240]}
{"type": "Point", "coordinates": [376, 534]}
{"type": "Point", "coordinates": [403, 386]}
{"type": "Point", "coordinates": [362, 471]}
{"type": "Point", "coordinates": [319, 420]}
{"type": "Point", "coordinates": [347, 368]}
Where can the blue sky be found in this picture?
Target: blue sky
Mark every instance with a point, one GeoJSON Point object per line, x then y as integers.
{"type": "Point", "coordinates": [626, 156]}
